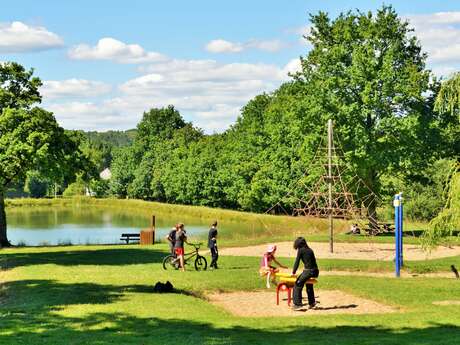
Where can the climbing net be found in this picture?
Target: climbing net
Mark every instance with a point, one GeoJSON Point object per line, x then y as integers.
{"type": "Point", "coordinates": [330, 187]}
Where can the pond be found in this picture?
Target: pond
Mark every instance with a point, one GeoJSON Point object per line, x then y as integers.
{"type": "Point", "coordinates": [87, 225]}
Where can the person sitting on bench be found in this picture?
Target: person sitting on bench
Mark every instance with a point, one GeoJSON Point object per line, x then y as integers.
{"type": "Point", "coordinates": [266, 267]}
{"type": "Point", "coordinates": [304, 253]}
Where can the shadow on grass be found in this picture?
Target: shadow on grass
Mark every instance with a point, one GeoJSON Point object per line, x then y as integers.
{"type": "Point", "coordinates": [104, 328]}
{"type": "Point", "coordinates": [45, 295]}
{"type": "Point", "coordinates": [31, 319]}
{"type": "Point", "coordinates": [121, 256]}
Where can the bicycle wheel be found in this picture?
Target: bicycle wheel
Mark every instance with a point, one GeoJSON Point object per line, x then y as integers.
{"type": "Point", "coordinates": [169, 262]}
{"type": "Point", "coordinates": [200, 263]}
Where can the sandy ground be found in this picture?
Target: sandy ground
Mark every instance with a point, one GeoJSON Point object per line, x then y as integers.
{"type": "Point", "coordinates": [447, 302]}
{"type": "Point", "coordinates": [263, 303]}
{"type": "Point", "coordinates": [386, 274]}
{"type": "Point", "coordinates": [357, 251]}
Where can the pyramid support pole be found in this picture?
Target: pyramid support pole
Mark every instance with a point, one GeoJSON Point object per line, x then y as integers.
{"type": "Point", "coordinates": [329, 156]}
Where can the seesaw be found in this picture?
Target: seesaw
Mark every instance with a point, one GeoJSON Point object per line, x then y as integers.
{"type": "Point", "coordinates": [286, 282]}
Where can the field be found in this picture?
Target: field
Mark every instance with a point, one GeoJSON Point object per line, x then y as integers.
{"type": "Point", "coordinates": [103, 295]}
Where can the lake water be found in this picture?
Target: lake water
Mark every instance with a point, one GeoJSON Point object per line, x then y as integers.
{"type": "Point", "coordinates": [87, 225]}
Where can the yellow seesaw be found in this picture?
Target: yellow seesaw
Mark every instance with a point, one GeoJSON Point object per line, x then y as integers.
{"type": "Point", "coordinates": [286, 282]}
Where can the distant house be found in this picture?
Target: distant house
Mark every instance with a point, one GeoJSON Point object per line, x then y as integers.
{"type": "Point", "coordinates": [105, 174]}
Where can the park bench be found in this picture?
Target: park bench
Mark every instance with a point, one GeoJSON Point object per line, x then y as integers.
{"type": "Point", "coordinates": [130, 237]}
{"type": "Point", "coordinates": [286, 283]}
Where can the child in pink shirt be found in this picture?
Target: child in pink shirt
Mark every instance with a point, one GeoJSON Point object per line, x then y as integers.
{"type": "Point", "coordinates": [266, 267]}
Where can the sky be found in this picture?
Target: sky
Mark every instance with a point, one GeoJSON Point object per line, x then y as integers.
{"type": "Point", "coordinates": [103, 63]}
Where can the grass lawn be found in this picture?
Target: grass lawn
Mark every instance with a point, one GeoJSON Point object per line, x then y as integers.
{"type": "Point", "coordinates": [102, 295]}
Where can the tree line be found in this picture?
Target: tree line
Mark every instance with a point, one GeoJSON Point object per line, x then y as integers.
{"type": "Point", "coordinates": [365, 71]}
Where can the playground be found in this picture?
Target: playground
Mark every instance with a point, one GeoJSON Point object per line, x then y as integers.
{"type": "Point", "coordinates": [355, 251]}
{"type": "Point", "coordinates": [104, 294]}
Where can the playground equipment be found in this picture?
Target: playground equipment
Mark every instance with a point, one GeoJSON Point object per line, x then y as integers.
{"type": "Point", "coordinates": [398, 205]}
{"type": "Point", "coordinates": [286, 282]}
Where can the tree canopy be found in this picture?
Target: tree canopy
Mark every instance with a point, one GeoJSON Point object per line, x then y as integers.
{"type": "Point", "coordinates": [30, 137]}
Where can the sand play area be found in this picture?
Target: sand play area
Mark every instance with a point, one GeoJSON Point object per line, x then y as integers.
{"type": "Point", "coordinates": [263, 303]}
{"type": "Point", "coordinates": [357, 251]}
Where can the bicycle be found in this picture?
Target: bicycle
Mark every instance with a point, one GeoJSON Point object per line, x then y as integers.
{"type": "Point", "coordinates": [200, 261]}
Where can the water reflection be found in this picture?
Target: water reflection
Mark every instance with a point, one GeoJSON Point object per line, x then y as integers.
{"type": "Point", "coordinates": [87, 225]}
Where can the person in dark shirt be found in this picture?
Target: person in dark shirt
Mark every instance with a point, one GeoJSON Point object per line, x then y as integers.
{"type": "Point", "coordinates": [212, 245]}
{"type": "Point", "coordinates": [304, 253]}
{"type": "Point", "coordinates": [171, 238]}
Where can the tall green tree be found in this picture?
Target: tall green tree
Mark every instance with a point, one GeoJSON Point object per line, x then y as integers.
{"type": "Point", "coordinates": [367, 72]}
{"type": "Point", "coordinates": [30, 138]}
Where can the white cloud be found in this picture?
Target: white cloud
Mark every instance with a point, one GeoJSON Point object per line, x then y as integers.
{"type": "Point", "coordinates": [111, 49]}
{"type": "Point", "coordinates": [90, 116]}
{"type": "Point", "coordinates": [17, 37]}
{"type": "Point", "coordinates": [206, 92]}
{"type": "Point", "coordinates": [439, 34]}
{"type": "Point", "coordinates": [53, 89]}
{"type": "Point", "coordinates": [223, 46]}
{"type": "Point", "coordinates": [292, 66]}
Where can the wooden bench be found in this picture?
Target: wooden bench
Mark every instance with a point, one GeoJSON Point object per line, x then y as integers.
{"type": "Point", "coordinates": [130, 237]}
{"type": "Point", "coordinates": [286, 283]}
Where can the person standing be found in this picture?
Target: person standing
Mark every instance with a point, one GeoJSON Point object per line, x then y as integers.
{"type": "Point", "coordinates": [171, 238]}
{"type": "Point", "coordinates": [304, 253]}
{"type": "Point", "coordinates": [212, 245]}
{"type": "Point", "coordinates": [181, 237]}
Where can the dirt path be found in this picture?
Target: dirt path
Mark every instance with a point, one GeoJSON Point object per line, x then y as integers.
{"type": "Point", "coordinates": [357, 251]}
{"type": "Point", "coordinates": [263, 303]}
{"type": "Point", "coordinates": [387, 274]}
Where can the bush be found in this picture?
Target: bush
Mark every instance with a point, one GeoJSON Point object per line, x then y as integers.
{"type": "Point", "coordinates": [78, 188]}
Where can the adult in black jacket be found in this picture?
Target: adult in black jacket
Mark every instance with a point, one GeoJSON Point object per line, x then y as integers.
{"type": "Point", "coordinates": [304, 253]}
{"type": "Point", "coordinates": [212, 244]}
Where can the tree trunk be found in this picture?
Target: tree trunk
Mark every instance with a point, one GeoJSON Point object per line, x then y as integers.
{"type": "Point", "coordinates": [371, 203]}
{"type": "Point", "coordinates": [3, 238]}
{"type": "Point", "coordinates": [372, 214]}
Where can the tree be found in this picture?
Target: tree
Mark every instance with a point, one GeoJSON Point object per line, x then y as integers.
{"type": "Point", "coordinates": [30, 138]}
{"type": "Point", "coordinates": [18, 89]}
{"type": "Point", "coordinates": [448, 220]}
{"type": "Point", "coordinates": [367, 73]}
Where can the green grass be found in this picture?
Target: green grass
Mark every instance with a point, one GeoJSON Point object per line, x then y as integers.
{"type": "Point", "coordinates": [103, 295]}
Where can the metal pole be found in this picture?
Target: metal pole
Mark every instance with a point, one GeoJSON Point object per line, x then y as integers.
{"type": "Point", "coordinates": [329, 155]}
{"type": "Point", "coordinates": [401, 263]}
{"type": "Point", "coordinates": [396, 204]}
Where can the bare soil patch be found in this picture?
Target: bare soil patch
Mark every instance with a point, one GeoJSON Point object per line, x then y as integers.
{"type": "Point", "coordinates": [454, 302]}
{"type": "Point", "coordinates": [263, 303]}
{"type": "Point", "coordinates": [356, 251]}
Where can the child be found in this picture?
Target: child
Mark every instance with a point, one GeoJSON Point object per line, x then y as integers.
{"type": "Point", "coordinates": [266, 267]}
{"type": "Point", "coordinates": [181, 237]}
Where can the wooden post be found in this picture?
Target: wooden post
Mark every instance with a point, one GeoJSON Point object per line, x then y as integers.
{"type": "Point", "coordinates": [329, 155]}
{"type": "Point", "coordinates": [148, 235]}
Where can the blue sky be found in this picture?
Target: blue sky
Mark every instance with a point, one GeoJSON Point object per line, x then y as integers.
{"type": "Point", "coordinates": [104, 62]}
